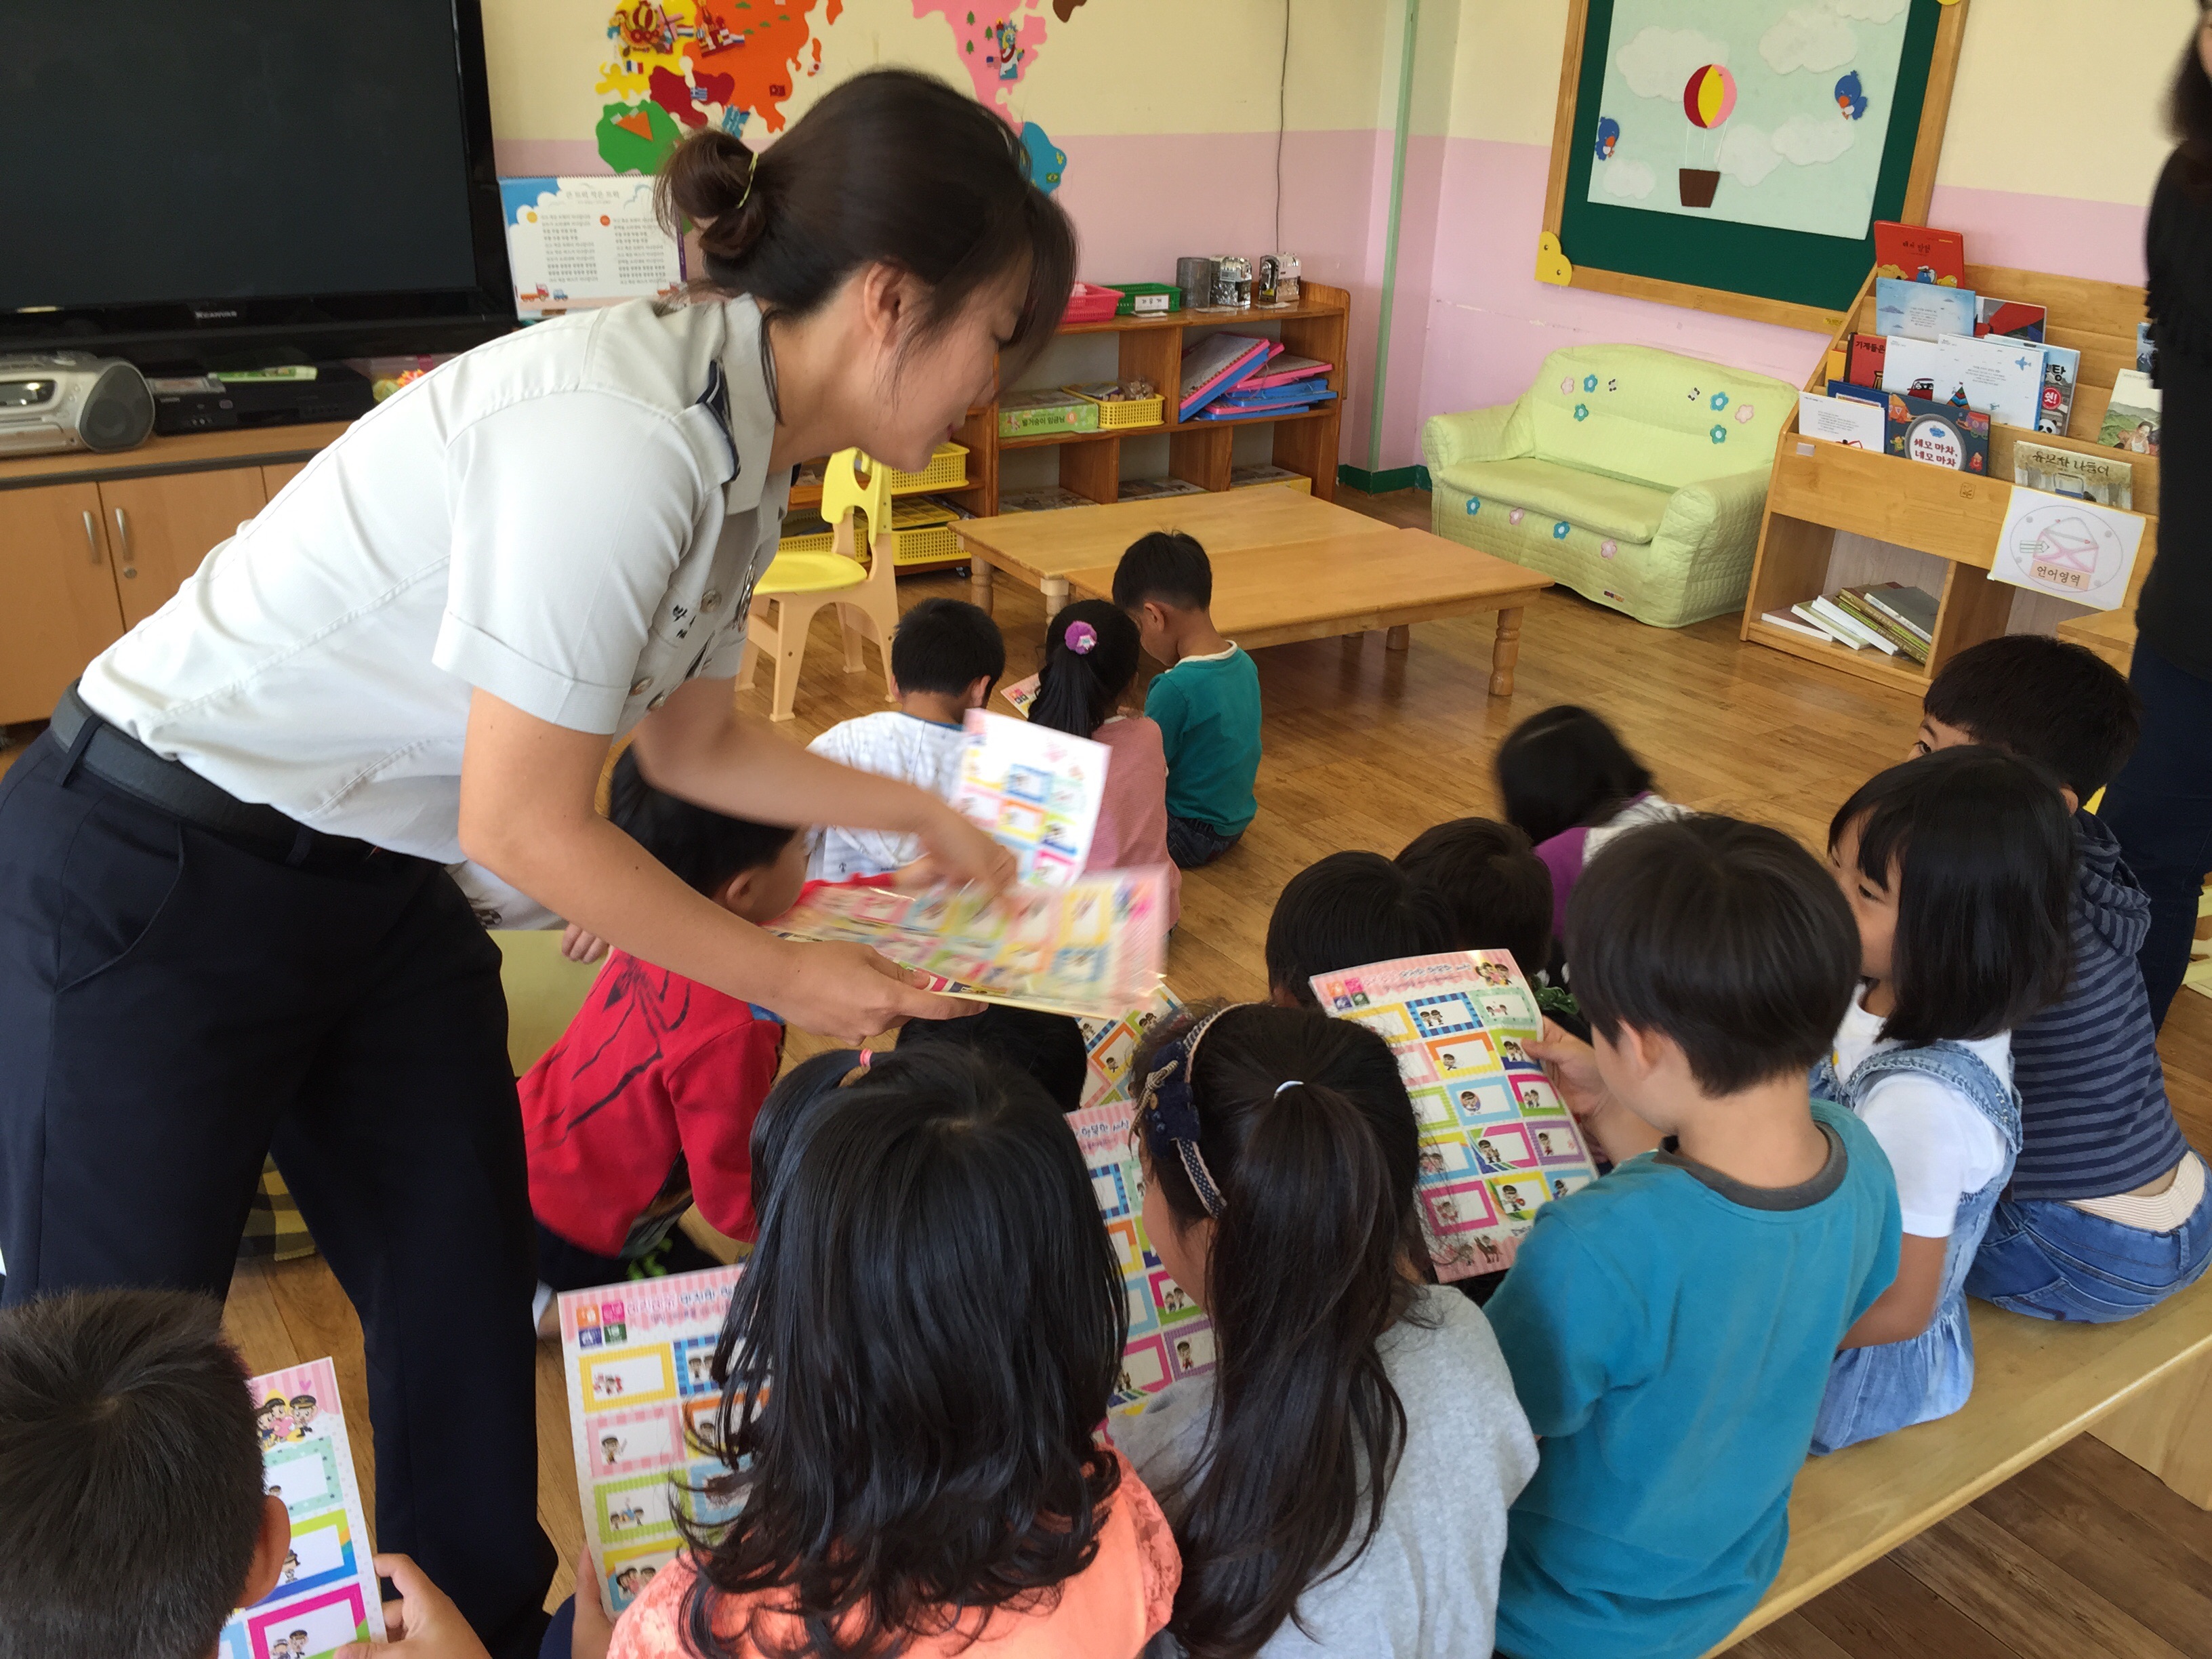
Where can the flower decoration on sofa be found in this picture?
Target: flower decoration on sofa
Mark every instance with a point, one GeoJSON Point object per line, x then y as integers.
{"type": "Point", "coordinates": [1607, 549]}
{"type": "Point", "coordinates": [1582, 411]}
{"type": "Point", "coordinates": [1719, 401]}
{"type": "Point", "coordinates": [1719, 433]}
{"type": "Point", "coordinates": [1559, 531]}
{"type": "Point", "coordinates": [1745, 411]}
{"type": "Point", "coordinates": [1474, 507]}
{"type": "Point", "coordinates": [1589, 382]}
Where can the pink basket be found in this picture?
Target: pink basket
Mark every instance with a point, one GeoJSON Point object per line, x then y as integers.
{"type": "Point", "coordinates": [1089, 303]}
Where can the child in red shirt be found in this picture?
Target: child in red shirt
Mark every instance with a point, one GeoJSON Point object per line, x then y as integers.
{"type": "Point", "coordinates": [646, 1103]}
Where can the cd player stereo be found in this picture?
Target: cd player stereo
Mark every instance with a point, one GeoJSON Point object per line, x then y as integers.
{"type": "Point", "coordinates": [55, 400]}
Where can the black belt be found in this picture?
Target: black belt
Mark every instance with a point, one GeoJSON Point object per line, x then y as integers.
{"type": "Point", "coordinates": [113, 756]}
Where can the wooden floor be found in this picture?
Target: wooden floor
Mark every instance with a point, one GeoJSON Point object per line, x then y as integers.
{"type": "Point", "coordinates": [1364, 749]}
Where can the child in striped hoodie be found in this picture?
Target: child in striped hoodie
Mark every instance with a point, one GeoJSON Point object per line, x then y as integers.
{"type": "Point", "coordinates": [2108, 1211]}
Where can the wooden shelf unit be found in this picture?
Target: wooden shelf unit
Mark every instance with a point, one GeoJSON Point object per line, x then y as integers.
{"type": "Point", "coordinates": [1150, 348]}
{"type": "Point", "coordinates": [1819, 487]}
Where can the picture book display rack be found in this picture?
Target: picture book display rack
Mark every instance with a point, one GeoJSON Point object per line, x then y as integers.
{"type": "Point", "coordinates": [1819, 487]}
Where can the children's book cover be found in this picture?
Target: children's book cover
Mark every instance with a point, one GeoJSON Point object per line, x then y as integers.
{"type": "Point", "coordinates": [1917, 253]}
{"type": "Point", "coordinates": [2069, 472]}
{"type": "Point", "coordinates": [2131, 419]}
{"type": "Point", "coordinates": [326, 1594]}
{"type": "Point", "coordinates": [1112, 1045]}
{"type": "Point", "coordinates": [1497, 1141]}
{"type": "Point", "coordinates": [1093, 948]}
{"type": "Point", "coordinates": [1942, 435]}
{"type": "Point", "coordinates": [1169, 1334]}
{"type": "Point", "coordinates": [1868, 351]}
{"type": "Point", "coordinates": [2014, 318]}
{"type": "Point", "coordinates": [639, 1359]}
{"type": "Point", "coordinates": [2001, 376]}
{"type": "Point", "coordinates": [1921, 311]}
{"type": "Point", "coordinates": [2062, 368]}
{"type": "Point", "coordinates": [1848, 421]}
{"type": "Point", "coordinates": [2146, 350]}
{"type": "Point", "coordinates": [1033, 791]}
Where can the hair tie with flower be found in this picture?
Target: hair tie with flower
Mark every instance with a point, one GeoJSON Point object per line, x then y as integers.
{"type": "Point", "coordinates": [1081, 638]}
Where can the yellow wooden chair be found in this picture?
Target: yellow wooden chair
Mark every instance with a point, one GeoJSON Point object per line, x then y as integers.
{"type": "Point", "coordinates": [796, 586]}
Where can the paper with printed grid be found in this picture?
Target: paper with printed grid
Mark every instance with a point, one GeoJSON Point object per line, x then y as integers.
{"type": "Point", "coordinates": [1497, 1141]}
{"type": "Point", "coordinates": [1033, 791]}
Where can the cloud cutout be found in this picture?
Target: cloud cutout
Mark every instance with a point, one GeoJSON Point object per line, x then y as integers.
{"type": "Point", "coordinates": [1658, 63]}
{"type": "Point", "coordinates": [1746, 154]}
{"type": "Point", "coordinates": [1630, 179]}
{"type": "Point", "coordinates": [1869, 11]}
{"type": "Point", "coordinates": [1809, 140]}
{"type": "Point", "coordinates": [1810, 36]}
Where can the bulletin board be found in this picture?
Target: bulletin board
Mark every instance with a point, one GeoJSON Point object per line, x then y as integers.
{"type": "Point", "coordinates": [1798, 278]}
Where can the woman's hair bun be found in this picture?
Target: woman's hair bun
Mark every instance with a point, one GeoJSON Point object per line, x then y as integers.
{"type": "Point", "coordinates": [703, 179]}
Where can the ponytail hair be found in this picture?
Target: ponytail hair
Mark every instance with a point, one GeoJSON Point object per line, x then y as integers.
{"type": "Point", "coordinates": [1090, 652]}
{"type": "Point", "coordinates": [1305, 1130]}
{"type": "Point", "coordinates": [890, 167]}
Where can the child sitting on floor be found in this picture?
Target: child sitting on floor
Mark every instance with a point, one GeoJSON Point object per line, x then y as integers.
{"type": "Point", "coordinates": [1090, 652]}
{"type": "Point", "coordinates": [132, 1517]}
{"type": "Point", "coordinates": [1346, 911]}
{"type": "Point", "coordinates": [1206, 704]}
{"type": "Point", "coordinates": [1339, 1486]}
{"type": "Point", "coordinates": [946, 655]}
{"type": "Point", "coordinates": [1670, 1326]}
{"type": "Point", "coordinates": [1496, 896]}
{"type": "Point", "coordinates": [938, 1309]}
{"type": "Point", "coordinates": [1569, 784]}
{"type": "Point", "coordinates": [2108, 1211]}
{"type": "Point", "coordinates": [646, 1101]}
{"type": "Point", "coordinates": [1958, 869]}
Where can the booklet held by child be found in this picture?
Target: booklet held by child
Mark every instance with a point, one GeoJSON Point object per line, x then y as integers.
{"type": "Point", "coordinates": [326, 1594]}
{"type": "Point", "coordinates": [1497, 1141]}
{"type": "Point", "coordinates": [642, 1396]}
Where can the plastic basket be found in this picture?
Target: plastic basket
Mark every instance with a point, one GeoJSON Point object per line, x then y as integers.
{"type": "Point", "coordinates": [804, 532]}
{"type": "Point", "coordinates": [1087, 302]}
{"type": "Point", "coordinates": [1125, 411]}
{"type": "Point", "coordinates": [926, 544]}
{"type": "Point", "coordinates": [1148, 299]}
{"type": "Point", "coordinates": [947, 470]}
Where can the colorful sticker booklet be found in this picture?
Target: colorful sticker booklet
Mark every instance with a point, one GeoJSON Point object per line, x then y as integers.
{"type": "Point", "coordinates": [1093, 948]}
{"type": "Point", "coordinates": [1034, 791]}
{"type": "Point", "coordinates": [1112, 1046]}
{"type": "Point", "coordinates": [326, 1595]}
{"type": "Point", "coordinates": [1497, 1142]}
{"type": "Point", "coordinates": [639, 1359]}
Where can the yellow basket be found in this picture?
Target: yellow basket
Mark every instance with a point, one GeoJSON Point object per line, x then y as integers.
{"type": "Point", "coordinates": [947, 470]}
{"type": "Point", "coordinates": [1126, 411]}
{"type": "Point", "coordinates": [804, 532]}
{"type": "Point", "coordinates": [925, 545]}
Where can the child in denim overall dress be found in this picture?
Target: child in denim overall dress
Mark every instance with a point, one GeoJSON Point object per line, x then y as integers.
{"type": "Point", "coordinates": [1958, 869]}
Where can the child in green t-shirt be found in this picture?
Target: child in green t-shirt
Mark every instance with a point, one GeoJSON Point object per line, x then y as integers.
{"type": "Point", "coordinates": [1206, 704]}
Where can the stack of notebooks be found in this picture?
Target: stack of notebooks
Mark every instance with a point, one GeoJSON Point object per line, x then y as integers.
{"type": "Point", "coordinates": [1886, 616]}
{"type": "Point", "coordinates": [1227, 377]}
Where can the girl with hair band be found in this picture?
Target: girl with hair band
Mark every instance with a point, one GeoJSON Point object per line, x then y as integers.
{"type": "Point", "coordinates": [1090, 657]}
{"type": "Point", "coordinates": [1338, 1484]}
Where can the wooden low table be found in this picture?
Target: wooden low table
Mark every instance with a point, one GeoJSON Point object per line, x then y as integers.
{"type": "Point", "coordinates": [1041, 549]}
{"type": "Point", "coordinates": [1314, 590]}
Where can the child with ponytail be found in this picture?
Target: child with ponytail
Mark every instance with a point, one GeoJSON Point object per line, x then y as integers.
{"type": "Point", "coordinates": [1339, 1483]}
{"type": "Point", "coordinates": [1091, 653]}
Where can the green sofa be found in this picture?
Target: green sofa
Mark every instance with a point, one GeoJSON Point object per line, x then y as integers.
{"type": "Point", "coordinates": [1634, 476]}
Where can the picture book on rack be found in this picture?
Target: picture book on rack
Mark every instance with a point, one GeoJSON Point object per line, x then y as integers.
{"type": "Point", "coordinates": [638, 1358]}
{"type": "Point", "coordinates": [1942, 435]}
{"type": "Point", "coordinates": [326, 1594]}
{"type": "Point", "coordinates": [1497, 1141]}
{"type": "Point", "coordinates": [1918, 254]}
{"type": "Point", "coordinates": [2131, 419]}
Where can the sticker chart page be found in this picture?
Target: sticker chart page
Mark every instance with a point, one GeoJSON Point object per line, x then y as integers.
{"type": "Point", "coordinates": [1033, 790]}
{"type": "Point", "coordinates": [326, 1595]}
{"type": "Point", "coordinates": [1497, 1142]}
{"type": "Point", "coordinates": [1169, 1335]}
{"type": "Point", "coordinates": [1112, 1046]}
{"type": "Point", "coordinates": [1092, 948]}
{"type": "Point", "coordinates": [638, 1358]}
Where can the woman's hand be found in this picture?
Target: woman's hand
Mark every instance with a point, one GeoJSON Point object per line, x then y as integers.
{"type": "Point", "coordinates": [849, 993]}
{"type": "Point", "coordinates": [956, 851]}
{"type": "Point", "coordinates": [422, 1623]}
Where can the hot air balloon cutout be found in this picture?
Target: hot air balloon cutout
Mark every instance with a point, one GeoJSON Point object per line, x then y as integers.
{"type": "Point", "coordinates": [1608, 136]}
{"type": "Point", "coordinates": [1850, 96]}
{"type": "Point", "coordinates": [1708, 99]}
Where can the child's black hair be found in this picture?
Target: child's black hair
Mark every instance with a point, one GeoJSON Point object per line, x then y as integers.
{"type": "Point", "coordinates": [1345, 911]}
{"type": "Point", "coordinates": [1048, 1047]}
{"type": "Point", "coordinates": [945, 646]}
{"type": "Point", "coordinates": [1984, 857]}
{"type": "Point", "coordinates": [2059, 705]}
{"type": "Point", "coordinates": [1167, 567]}
{"type": "Point", "coordinates": [130, 1478]}
{"type": "Point", "coordinates": [1306, 1129]}
{"type": "Point", "coordinates": [786, 1110]}
{"type": "Point", "coordinates": [1077, 689]}
{"type": "Point", "coordinates": [942, 1319]}
{"type": "Point", "coordinates": [1565, 768]}
{"type": "Point", "coordinates": [1727, 937]}
{"type": "Point", "coordinates": [705, 849]}
{"type": "Point", "coordinates": [1496, 894]}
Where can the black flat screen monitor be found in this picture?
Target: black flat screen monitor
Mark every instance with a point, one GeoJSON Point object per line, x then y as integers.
{"type": "Point", "coordinates": [191, 178]}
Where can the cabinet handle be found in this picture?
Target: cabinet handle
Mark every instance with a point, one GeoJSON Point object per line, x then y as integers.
{"type": "Point", "coordinates": [123, 543]}
{"type": "Point", "coordinates": [91, 536]}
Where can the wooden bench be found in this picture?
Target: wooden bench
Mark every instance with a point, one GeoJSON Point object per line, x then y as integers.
{"type": "Point", "coordinates": [2143, 1387]}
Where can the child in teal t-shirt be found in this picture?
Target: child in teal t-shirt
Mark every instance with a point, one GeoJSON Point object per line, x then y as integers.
{"type": "Point", "coordinates": [1206, 704]}
{"type": "Point", "coordinates": [1669, 1327]}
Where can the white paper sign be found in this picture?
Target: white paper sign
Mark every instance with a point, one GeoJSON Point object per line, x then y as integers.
{"type": "Point", "coordinates": [2075, 549]}
{"type": "Point", "coordinates": [574, 243]}
{"type": "Point", "coordinates": [1849, 421]}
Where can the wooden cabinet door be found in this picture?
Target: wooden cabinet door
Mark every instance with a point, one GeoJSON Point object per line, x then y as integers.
{"type": "Point", "coordinates": [57, 604]}
{"type": "Point", "coordinates": [274, 478]}
{"type": "Point", "coordinates": [162, 528]}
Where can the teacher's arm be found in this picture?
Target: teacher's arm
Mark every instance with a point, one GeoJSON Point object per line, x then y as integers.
{"type": "Point", "coordinates": [527, 815]}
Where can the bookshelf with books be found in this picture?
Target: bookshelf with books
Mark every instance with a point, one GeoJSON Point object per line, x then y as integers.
{"type": "Point", "coordinates": [1819, 489]}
